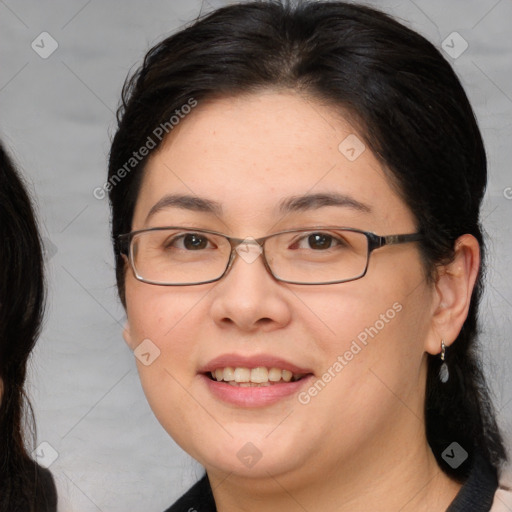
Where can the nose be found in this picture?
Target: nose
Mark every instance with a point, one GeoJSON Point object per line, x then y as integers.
{"type": "Point", "coordinates": [248, 297]}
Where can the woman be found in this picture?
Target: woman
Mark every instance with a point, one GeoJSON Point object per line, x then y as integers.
{"type": "Point", "coordinates": [295, 196]}
{"type": "Point", "coordinates": [24, 485]}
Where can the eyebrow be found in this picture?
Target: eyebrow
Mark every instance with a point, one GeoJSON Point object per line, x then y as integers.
{"type": "Point", "coordinates": [315, 201]}
{"type": "Point", "coordinates": [186, 202]}
{"type": "Point", "coordinates": [290, 204]}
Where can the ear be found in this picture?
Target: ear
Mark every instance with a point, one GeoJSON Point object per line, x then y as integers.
{"type": "Point", "coordinates": [127, 335]}
{"type": "Point", "coordinates": [452, 295]}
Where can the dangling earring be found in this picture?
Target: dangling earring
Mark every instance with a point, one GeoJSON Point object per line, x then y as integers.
{"type": "Point", "coordinates": [444, 373]}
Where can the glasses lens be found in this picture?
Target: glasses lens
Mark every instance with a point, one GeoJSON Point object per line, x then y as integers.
{"type": "Point", "coordinates": [317, 256]}
{"type": "Point", "coordinates": [176, 256]}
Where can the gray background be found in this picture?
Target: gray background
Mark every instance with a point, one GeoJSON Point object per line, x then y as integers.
{"type": "Point", "coordinates": [57, 115]}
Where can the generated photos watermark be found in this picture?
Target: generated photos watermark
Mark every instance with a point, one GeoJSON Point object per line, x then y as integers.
{"type": "Point", "coordinates": [147, 352]}
{"type": "Point", "coordinates": [44, 45]}
{"type": "Point", "coordinates": [352, 147]}
{"type": "Point", "coordinates": [454, 45]}
{"type": "Point", "coordinates": [454, 455]}
{"type": "Point", "coordinates": [249, 455]}
{"type": "Point", "coordinates": [152, 140]}
{"type": "Point", "coordinates": [45, 454]}
{"type": "Point", "coordinates": [357, 345]}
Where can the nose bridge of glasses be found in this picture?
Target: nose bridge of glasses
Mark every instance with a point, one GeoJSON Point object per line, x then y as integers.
{"type": "Point", "coordinates": [248, 248]}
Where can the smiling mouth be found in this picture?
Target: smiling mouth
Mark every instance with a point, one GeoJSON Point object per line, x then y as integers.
{"type": "Point", "coordinates": [254, 377]}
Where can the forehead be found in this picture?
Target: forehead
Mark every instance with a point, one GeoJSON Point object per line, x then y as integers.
{"type": "Point", "coordinates": [251, 152]}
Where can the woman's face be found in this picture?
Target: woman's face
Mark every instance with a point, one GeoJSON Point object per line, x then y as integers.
{"type": "Point", "coordinates": [362, 342]}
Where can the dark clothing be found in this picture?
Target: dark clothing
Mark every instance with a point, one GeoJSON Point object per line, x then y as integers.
{"type": "Point", "coordinates": [199, 497]}
{"type": "Point", "coordinates": [34, 490]}
{"type": "Point", "coordinates": [46, 493]}
{"type": "Point", "coordinates": [476, 495]}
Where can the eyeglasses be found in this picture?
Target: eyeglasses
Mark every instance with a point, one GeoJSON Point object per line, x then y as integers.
{"type": "Point", "coordinates": [181, 256]}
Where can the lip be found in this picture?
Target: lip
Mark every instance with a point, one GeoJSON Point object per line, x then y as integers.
{"type": "Point", "coordinates": [239, 361]}
{"type": "Point", "coordinates": [250, 397]}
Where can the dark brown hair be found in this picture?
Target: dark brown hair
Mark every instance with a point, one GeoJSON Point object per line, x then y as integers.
{"type": "Point", "coordinates": [24, 486]}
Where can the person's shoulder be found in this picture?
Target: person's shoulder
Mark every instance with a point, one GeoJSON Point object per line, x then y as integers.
{"type": "Point", "coordinates": [198, 498]}
{"type": "Point", "coordinates": [30, 487]}
{"type": "Point", "coordinates": [503, 496]}
{"type": "Point", "coordinates": [46, 492]}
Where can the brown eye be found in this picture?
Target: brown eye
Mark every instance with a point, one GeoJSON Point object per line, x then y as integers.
{"type": "Point", "coordinates": [193, 242]}
{"type": "Point", "coordinates": [187, 242]}
{"type": "Point", "coordinates": [319, 241]}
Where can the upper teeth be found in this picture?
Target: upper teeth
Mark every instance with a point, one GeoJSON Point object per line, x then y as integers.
{"type": "Point", "coordinates": [256, 375]}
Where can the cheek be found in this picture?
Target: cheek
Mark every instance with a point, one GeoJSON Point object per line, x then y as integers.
{"type": "Point", "coordinates": [372, 341]}
{"type": "Point", "coordinates": [163, 316]}
{"type": "Point", "coordinates": [160, 313]}
{"type": "Point", "coordinates": [370, 365]}
{"type": "Point", "coordinates": [349, 316]}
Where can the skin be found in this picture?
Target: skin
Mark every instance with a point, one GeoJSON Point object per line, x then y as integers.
{"type": "Point", "coordinates": [359, 444]}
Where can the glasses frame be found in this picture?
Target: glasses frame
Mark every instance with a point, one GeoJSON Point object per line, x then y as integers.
{"type": "Point", "coordinates": [125, 247]}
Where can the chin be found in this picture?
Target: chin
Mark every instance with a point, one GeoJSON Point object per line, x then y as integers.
{"type": "Point", "coordinates": [262, 466]}
{"type": "Point", "coordinates": [254, 455]}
